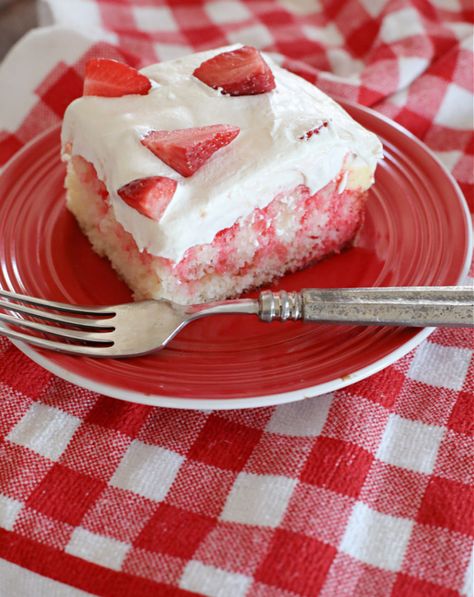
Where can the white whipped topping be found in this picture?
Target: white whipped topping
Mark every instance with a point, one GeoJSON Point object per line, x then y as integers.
{"type": "Point", "coordinates": [266, 158]}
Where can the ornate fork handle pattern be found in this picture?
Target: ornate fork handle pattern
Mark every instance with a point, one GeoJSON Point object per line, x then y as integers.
{"type": "Point", "coordinates": [418, 307]}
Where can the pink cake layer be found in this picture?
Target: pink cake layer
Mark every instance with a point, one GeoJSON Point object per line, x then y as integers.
{"type": "Point", "coordinates": [292, 231]}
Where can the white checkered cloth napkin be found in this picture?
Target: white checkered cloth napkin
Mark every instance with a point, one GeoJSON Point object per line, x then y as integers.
{"type": "Point", "coordinates": [363, 492]}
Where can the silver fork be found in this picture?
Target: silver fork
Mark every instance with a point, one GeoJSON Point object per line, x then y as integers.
{"type": "Point", "coordinates": [138, 328]}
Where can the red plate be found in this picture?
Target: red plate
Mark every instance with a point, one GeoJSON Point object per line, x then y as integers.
{"type": "Point", "coordinates": [416, 233]}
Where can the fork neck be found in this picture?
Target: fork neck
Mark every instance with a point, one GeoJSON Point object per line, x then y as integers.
{"type": "Point", "coordinates": [244, 306]}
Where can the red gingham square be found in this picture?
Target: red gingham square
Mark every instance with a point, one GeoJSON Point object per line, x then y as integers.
{"type": "Point", "coordinates": [234, 547]}
{"type": "Point", "coordinates": [9, 144]}
{"type": "Point", "coordinates": [309, 48]}
{"type": "Point", "coordinates": [357, 420]}
{"type": "Point", "coordinates": [155, 566]}
{"type": "Point", "coordinates": [457, 337]}
{"type": "Point", "coordinates": [14, 407]}
{"type": "Point", "coordinates": [117, 16]}
{"type": "Point", "coordinates": [376, 81]}
{"type": "Point", "coordinates": [18, 372]}
{"type": "Point", "coordinates": [454, 513]}
{"type": "Point", "coordinates": [463, 170]}
{"type": "Point", "coordinates": [276, 16]}
{"type": "Point", "coordinates": [407, 586]}
{"type": "Point", "coordinates": [416, 123]}
{"type": "Point", "coordinates": [71, 399]}
{"type": "Point", "coordinates": [86, 448]}
{"type": "Point", "coordinates": [126, 417]}
{"type": "Point", "coordinates": [346, 16]}
{"type": "Point", "coordinates": [21, 470]}
{"type": "Point", "coordinates": [348, 576]}
{"type": "Point", "coordinates": [174, 531]}
{"type": "Point", "coordinates": [382, 388]}
{"type": "Point", "coordinates": [426, 96]}
{"type": "Point", "coordinates": [337, 465]}
{"type": "Point", "coordinates": [455, 458]}
{"type": "Point", "coordinates": [461, 418]}
{"type": "Point", "coordinates": [118, 513]}
{"type": "Point", "coordinates": [236, 443]}
{"type": "Point", "coordinates": [441, 138]}
{"type": "Point", "coordinates": [52, 89]}
{"type": "Point", "coordinates": [250, 417]}
{"type": "Point", "coordinates": [469, 379]}
{"type": "Point", "coordinates": [258, 589]}
{"type": "Point", "coordinates": [463, 65]}
{"type": "Point", "coordinates": [190, 13]}
{"type": "Point", "coordinates": [138, 46]}
{"type": "Point", "coordinates": [41, 116]}
{"type": "Point", "coordinates": [199, 30]}
{"type": "Point", "coordinates": [361, 39]}
{"type": "Point", "coordinates": [279, 455]}
{"type": "Point", "coordinates": [308, 572]}
{"type": "Point", "coordinates": [65, 495]}
{"type": "Point", "coordinates": [334, 88]}
{"type": "Point", "coordinates": [429, 556]}
{"type": "Point", "coordinates": [393, 490]}
{"type": "Point", "coordinates": [172, 429]}
{"type": "Point", "coordinates": [35, 525]}
{"type": "Point", "coordinates": [422, 402]}
{"type": "Point", "coordinates": [318, 513]}
{"type": "Point", "coordinates": [201, 488]}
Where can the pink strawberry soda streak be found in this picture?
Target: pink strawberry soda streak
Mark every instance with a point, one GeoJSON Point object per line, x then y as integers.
{"type": "Point", "coordinates": [223, 252]}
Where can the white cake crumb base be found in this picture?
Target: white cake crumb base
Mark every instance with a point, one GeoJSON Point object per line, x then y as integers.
{"type": "Point", "coordinates": [293, 231]}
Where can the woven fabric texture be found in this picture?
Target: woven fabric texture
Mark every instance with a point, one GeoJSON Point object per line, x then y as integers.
{"type": "Point", "coordinates": [367, 491]}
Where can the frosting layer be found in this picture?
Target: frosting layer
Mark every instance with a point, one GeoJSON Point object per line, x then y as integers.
{"type": "Point", "coordinates": [266, 158]}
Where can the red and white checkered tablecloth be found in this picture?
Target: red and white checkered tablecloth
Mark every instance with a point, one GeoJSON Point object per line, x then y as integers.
{"type": "Point", "coordinates": [364, 492]}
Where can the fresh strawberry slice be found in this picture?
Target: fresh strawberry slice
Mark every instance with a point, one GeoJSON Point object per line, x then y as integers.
{"type": "Point", "coordinates": [238, 72]}
{"type": "Point", "coordinates": [186, 150]}
{"type": "Point", "coordinates": [109, 78]}
{"type": "Point", "coordinates": [149, 196]}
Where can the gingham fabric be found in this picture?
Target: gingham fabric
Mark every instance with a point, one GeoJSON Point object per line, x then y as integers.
{"type": "Point", "coordinates": [364, 492]}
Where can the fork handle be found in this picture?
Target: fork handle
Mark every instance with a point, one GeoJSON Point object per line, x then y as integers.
{"type": "Point", "coordinates": [451, 306]}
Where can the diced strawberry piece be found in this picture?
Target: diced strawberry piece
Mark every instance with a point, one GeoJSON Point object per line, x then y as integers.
{"type": "Point", "coordinates": [87, 174]}
{"type": "Point", "coordinates": [109, 78]}
{"type": "Point", "coordinates": [186, 150]}
{"type": "Point", "coordinates": [238, 72]}
{"type": "Point", "coordinates": [149, 196]}
{"type": "Point", "coordinates": [314, 131]}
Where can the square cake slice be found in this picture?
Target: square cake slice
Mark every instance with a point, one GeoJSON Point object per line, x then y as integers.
{"type": "Point", "coordinates": [205, 176]}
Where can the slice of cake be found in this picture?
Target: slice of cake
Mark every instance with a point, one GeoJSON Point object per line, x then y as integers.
{"type": "Point", "coordinates": [205, 176]}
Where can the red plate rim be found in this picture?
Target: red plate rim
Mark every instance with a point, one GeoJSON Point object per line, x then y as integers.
{"type": "Point", "coordinates": [47, 361]}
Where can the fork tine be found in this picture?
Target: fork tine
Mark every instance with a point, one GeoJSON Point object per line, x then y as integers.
{"type": "Point", "coordinates": [30, 300]}
{"type": "Point", "coordinates": [62, 319]}
{"type": "Point", "coordinates": [94, 351]}
{"type": "Point", "coordinates": [57, 331]}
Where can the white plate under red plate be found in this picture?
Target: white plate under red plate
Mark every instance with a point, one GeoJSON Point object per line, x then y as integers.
{"type": "Point", "coordinates": [416, 233]}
